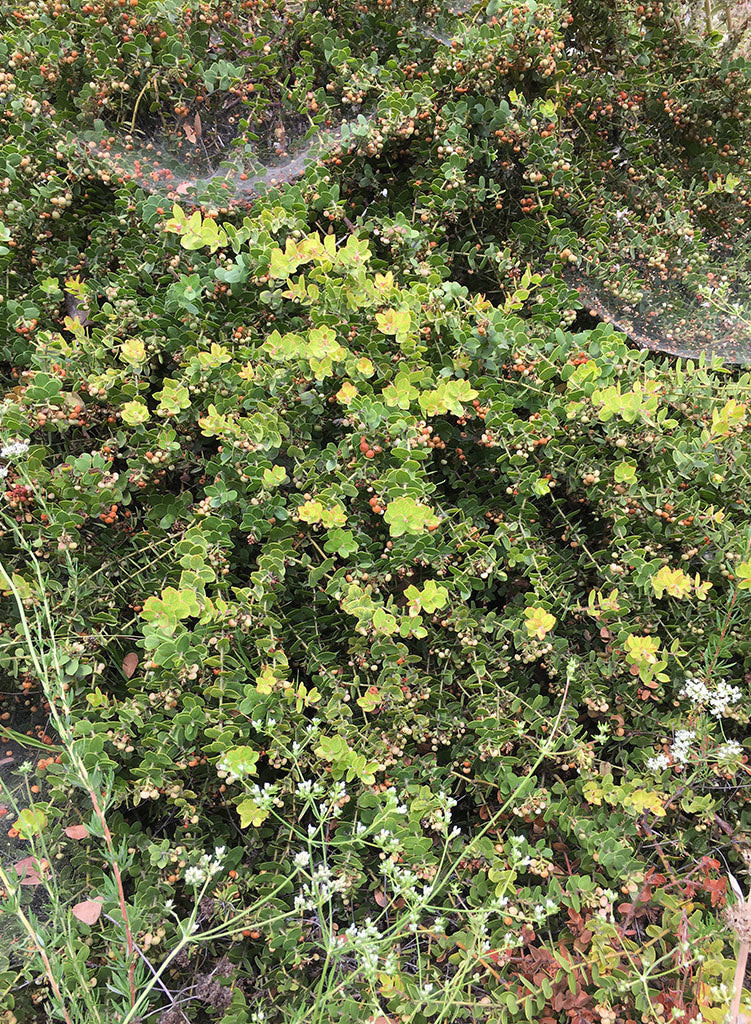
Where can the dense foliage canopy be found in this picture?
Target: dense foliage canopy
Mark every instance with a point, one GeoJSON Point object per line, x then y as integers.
{"type": "Point", "coordinates": [384, 612]}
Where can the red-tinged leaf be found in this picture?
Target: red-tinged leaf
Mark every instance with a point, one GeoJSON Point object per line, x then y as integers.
{"type": "Point", "coordinates": [87, 911]}
{"type": "Point", "coordinates": [716, 887]}
{"type": "Point", "coordinates": [76, 832]}
{"type": "Point", "coordinates": [130, 664]}
{"type": "Point", "coordinates": [28, 871]}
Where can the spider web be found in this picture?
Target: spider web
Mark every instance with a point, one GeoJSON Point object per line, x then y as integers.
{"type": "Point", "coordinates": [210, 156]}
{"type": "Point", "coordinates": [686, 317]}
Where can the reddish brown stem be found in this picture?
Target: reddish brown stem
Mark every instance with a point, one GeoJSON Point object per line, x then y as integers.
{"type": "Point", "coordinates": [121, 895]}
{"type": "Point", "coordinates": [740, 974]}
{"type": "Point", "coordinates": [40, 950]}
{"type": "Point", "coordinates": [53, 984]}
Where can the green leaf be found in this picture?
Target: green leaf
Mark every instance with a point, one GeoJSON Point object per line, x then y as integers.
{"type": "Point", "coordinates": [31, 822]}
{"type": "Point", "coordinates": [251, 814]}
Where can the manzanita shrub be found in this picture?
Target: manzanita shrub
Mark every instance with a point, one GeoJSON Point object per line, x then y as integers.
{"type": "Point", "coordinates": [391, 617]}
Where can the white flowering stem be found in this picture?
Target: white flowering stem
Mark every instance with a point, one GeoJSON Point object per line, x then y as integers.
{"type": "Point", "coordinates": [740, 974]}
{"type": "Point", "coordinates": [55, 696]}
{"type": "Point", "coordinates": [40, 950]}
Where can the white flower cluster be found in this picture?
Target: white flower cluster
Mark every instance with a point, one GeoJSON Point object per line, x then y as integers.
{"type": "Point", "coordinates": [516, 858]}
{"type": "Point", "coordinates": [336, 796]}
{"type": "Point", "coordinates": [265, 798]}
{"type": "Point", "coordinates": [386, 841]}
{"type": "Point", "coordinates": [235, 770]}
{"type": "Point", "coordinates": [717, 698]}
{"type": "Point", "coordinates": [365, 943]}
{"type": "Point", "coordinates": [658, 763]}
{"type": "Point", "coordinates": [543, 911]}
{"type": "Point", "coordinates": [206, 868]}
{"type": "Point", "coordinates": [404, 882]}
{"type": "Point", "coordinates": [441, 819]}
{"type": "Point", "coordinates": [320, 888]}
{"type": "Point", "coordinates": [679, 751]}
{"type": "Point", "coordinates": [730, 751]}
{"type": "Point", "coordinates": [10, 451]}
{"type": "Point", "coordinates": [682, 744]}
{"type": "Point", "coordinates": [308, 789]}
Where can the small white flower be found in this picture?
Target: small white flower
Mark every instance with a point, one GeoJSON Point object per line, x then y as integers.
{"type": "Point", "coordinates": [658, 763]}
{"type": "Point", "coordinates": [723, 698]}
{"type": "Point", "coordinates": [9, 451]}
{"type": "Point", "coordinates": [193, 876]}
{"type": "Point", "coordinates": [302, 859]}
{"type": "Point", "coordinates": [729, 751]}
{"type": "Point", "coordinates": [682, 745]}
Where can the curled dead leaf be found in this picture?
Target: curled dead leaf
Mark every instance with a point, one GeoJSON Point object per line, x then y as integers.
{"type": "Point", "coordinates": [87, 911]}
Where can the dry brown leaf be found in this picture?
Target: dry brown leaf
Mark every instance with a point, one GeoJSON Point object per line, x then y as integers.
{"type": "Point", "coordinates": [130, 664]}
{"type": "Point", "coordinates": [189, 134]}
{"type": "Point", "coordinates": [197, 126]}
{"type": "Point", "coordinates": [87, 911]}
{"type": "Point", "coordinates": [76, 832]}
{"type": "Point", "coordinates": [380, 897]}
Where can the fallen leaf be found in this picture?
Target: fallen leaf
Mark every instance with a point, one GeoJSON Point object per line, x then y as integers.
{"type": "Point", "coordinates": [76, 832]}
{"type": "Point", "coordinates": [197, 126]}
{"type": "Point", "coordinates": [27, 871]}
{"type": "Point", "coordinates": [130, 664]}
{"type": "Point", "coordinates": [87, 911]}
{"type": "Point", "coordinates": [189, 134]}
